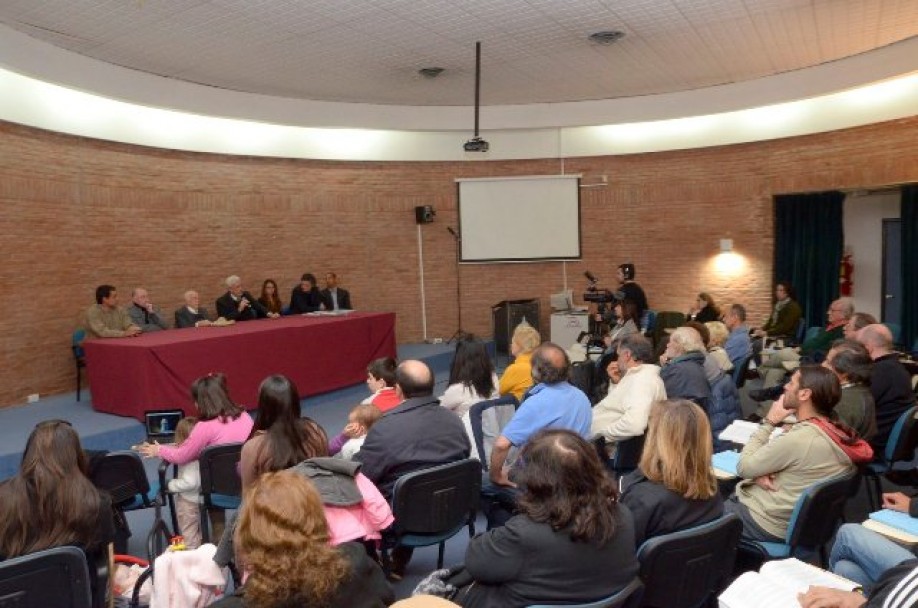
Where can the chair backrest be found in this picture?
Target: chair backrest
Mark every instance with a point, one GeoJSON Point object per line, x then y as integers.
{"type": "Point", "coordinates": [122, 475]}
{"type": "Point", "coordinates": [56, 578]}
{"type": "Point", "coordinates": [475, 420]}
{"type": "Point", "coordinates": [684, 568]}
{"type": "Point", "coordinates": [904, 437]}
{"type": "Point", "coordinates": [649, 321]}
{"type": "Point", "coordinates": [629, 597]}
{"type": "Point", "coordinates": [664, 320]}
{"type": "Point", "coordinates": [740, 371]}
{"type": "Point", "coordinates": [219, 473]}
{"type": "Point", "coordinates": [628, 454]}
{"type": "Point", "coordinates": [76, 342]}
{"type": "Point", "coordinates": [800, 330]}
{"type": "Point", "coordinates": [819, 510]}
{"type": "Point", "coordinates": [438, 499]}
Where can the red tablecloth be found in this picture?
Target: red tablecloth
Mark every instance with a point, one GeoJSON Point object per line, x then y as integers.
{"type": "Point", "coordinates": [130, 375]}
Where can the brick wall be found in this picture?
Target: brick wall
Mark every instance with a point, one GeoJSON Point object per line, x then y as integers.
{"type": "Point", "coordinates": [76, 212]}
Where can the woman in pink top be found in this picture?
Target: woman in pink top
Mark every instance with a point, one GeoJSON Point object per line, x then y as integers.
{"type": "Point", "coordinates": [219, 421]}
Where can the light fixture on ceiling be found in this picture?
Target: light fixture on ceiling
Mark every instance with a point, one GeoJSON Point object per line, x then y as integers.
{"type": "Point", "coordinates": [431, 72]}
{"type": "Point", "coordinates": [607, 36]}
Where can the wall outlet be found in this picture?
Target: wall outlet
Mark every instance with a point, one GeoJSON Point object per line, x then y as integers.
{"type": "Point", "coordinates": [33, 398]}
{"type": "Point", "coordinates": [437, 341]}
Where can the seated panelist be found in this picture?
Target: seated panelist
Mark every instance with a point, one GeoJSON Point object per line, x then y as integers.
{"type": "Point", "coordinates": [237, 304]}
{"type": "Point", "coordinates": [306, 296]}
{"type": "Point", "coordinates": [192, 314]}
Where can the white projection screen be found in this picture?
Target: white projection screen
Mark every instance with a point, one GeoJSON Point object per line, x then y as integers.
{"type": "Point", "coordinates": [516, 219]}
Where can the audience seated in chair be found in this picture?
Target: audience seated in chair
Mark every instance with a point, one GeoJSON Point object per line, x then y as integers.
{"type": "Point", "coordinates": [51, 502]}
{"type": "Point", "coordinates": [517, 378]}
{"type": "Point", "coordinates": [683, 367]}
{"type": "Point", "coordinates": [636, 385]}
{"type": "Point", "coordinates": [784, 317]}
{"type": "Point", "coordinates": [284, 539]}
{"type": "Point", "coordinates": [471, 377]}
{"type": "Point", "coordinates": [674, 486]}
{"type": "Point", "coordinates": [851, 362]}
{"type": "Point", "coordinates": [738, 344]}
{"type": "Point", "coordinates": [381, 382]}
{"type": "Point", "coordinates": [775, 473]}
{"type": "Point", "coordinates": [570, 542]}
{"type": "Point", "coordinates": [890, 382]}
{"type": "Point", "coordinates": [348, 442]}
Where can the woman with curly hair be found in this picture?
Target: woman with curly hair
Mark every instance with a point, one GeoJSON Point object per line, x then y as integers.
{"type": "Point", "coordinates": [284, 538]}
{"type": "Point", "coordinates": [51, 502]}
{"type": "Point", "coordinates": [571, 541]}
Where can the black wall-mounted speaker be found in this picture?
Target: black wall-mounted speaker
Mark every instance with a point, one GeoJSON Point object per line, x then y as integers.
{"type": "Point", "coordinates": [424, 214]}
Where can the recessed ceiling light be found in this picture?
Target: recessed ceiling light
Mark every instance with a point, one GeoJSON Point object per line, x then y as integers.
{"type": "Point", "coordinates": [607, 36]}
{"type": "Point", "coordinates": [430, 72]}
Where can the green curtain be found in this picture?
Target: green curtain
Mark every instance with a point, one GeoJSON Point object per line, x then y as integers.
{"type": "Point", "coordinates": [909, 215]}
{"type": "Point", "coordinates": [809, 239]}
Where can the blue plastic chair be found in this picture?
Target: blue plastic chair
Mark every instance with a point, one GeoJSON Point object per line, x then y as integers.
{"type": "Point", "coordinates": [629, 597]}
{"type": "Point", "coordinates": [475, 413]}
{"type": "Point", "coordinates": [813, 522]}
{"type": "Point", "coordinates": [221, 486]}
{"type": "Point", "coordinates": [79, 356]}
{"type": "Point", "coordinates": [900, 447]}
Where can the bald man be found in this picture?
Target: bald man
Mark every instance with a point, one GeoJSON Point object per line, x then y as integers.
{"type": "Point", "coordinates": [142, 312]}
{"type": "Point", "coordinates": [552, 403]}
{"type": "Point", "coordinates": [890, 382]}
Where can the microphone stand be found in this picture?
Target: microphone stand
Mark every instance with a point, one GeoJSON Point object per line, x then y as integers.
{"type": "Point", "coordinates": [459, 333]}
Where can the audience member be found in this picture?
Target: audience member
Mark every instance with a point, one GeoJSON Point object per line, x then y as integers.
{"type": "Point", "coordinates": [570, 542]}
{"type": "Point", "coordinates": [674, 486]}
{"type": "Point", "coordinates": [857, 322]}
{"type": "Point", "coordinates": [51, 502]}
{"type": "Point", "coordinates": [785, 315]}
{"type": "Point", "coordinates": [852, 364]}
{"type": "Point", "coordinates": [186, 485]}
{"type": "Point", "coordinates": [269, 298]}
{"type": "Point", "coordinates": [775, 473]}
{"type": "Point", "coordinates": [220, 420]}
{"type": "Point", "coordinates": [552, 403]}
{"type": "Point", "coordinates": [237, 304]}
{"type": "Point", "coordinates": [627, 323]}
{"type": "Point", "coordinates": [895, 589]}
{"type": "Point", "coordinates": [359, 421]}
{"type": "Point", "coordinates": [284, 540]}
{"type": "Point", "coordinates": [631, 290]}
{"type": "Point", "coordinates": [381, 380]}
{"type": "Point", "coordinates": [106, 319]}
{"type": "Point", "coordinates": [142, 312]}
{"type": "Point", "coordinates": [415, 435]}
{"type": "Point", "coordinates": [334, 297]}
{"type": "Point", "coordinates": [683, 367]}
{"type": "Point", "coordinates": [636, 385]}
{"type": "Point", "coordinates": [279, 438]}
{"type": "Point", "coordinates": [890, 382]}
{"type": "Point", "coordinates": [306, 297]}
{"type": "Point", "coordinates": [704, 310]}
{"type": "Point", "coordinates": [718, 337]}
{"type": "Point", "coordinates": [192, 314]}
{"type": "Point", "coordinates": [712, 369]}
{"type": "Point", "coordinates": [738, 345]}
{"type": "Point", "coordinates": [471, 377]}
{"type": "Point", "coordinates": [517, 378]}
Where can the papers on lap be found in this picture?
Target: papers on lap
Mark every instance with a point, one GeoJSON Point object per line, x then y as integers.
{"type": "Point", "coordinates": [726, 461]}
{"type": "Point", "coordinates": [740, 431]}
{"type": "Point", "coordinates": [777, 584]}
{"type": "Point", "coordinates": [896, 519]}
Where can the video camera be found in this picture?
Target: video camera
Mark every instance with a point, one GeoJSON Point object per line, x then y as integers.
{"type": "Point", "coordinates": [602, 298]}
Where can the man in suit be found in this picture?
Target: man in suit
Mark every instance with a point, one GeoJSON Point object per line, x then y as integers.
{"type": "Point", "coordinates": [239, 305]}
{"type": "Point", "coordinates": [333, 296]}
{"type": "Point", "coordinates": [142, 312]}
{"type": "Point", "coordinates": [191, 314]}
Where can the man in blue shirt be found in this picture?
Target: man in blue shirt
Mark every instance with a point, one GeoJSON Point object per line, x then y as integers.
{"type": "Point", "coordinates": [738, 345]}
{"type": "Point", "coordinates": [552, 403]}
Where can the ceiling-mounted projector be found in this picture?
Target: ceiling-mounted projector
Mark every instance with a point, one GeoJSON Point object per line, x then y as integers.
{"type": "Point", "coordinates": [476, 144]}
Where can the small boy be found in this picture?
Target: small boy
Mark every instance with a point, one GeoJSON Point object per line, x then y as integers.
{"type": "Point", "coordinates": [359, 421]}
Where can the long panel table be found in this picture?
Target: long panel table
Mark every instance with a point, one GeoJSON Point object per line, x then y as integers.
{"type": "Point", "coordinates": [154, 371]}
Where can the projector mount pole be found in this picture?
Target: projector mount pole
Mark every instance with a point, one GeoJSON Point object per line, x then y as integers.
{"type": "Point", "coordinates": [477, 84]}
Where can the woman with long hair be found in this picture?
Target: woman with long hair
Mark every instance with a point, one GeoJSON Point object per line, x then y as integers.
{"type": "Point", "coordinates": [284, 539]}
{"type": "Point", "coordinates": [269, 298]}
{"type": "Point", "coordinates": [570, 542]}
{"type": "Point", "coordinates": [704, 309]}
{"type": "Point", "coordinates": [471, 377]}
{"type": "Point", "coordinates": [281, 440]}
{"type": "Point", "coordinates": [674, 486]}
{"type": "Point", "coordinates": [51, 502]}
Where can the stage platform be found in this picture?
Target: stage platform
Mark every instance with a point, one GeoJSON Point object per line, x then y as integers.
{"type": "Point", "coordinates": [100, 431]}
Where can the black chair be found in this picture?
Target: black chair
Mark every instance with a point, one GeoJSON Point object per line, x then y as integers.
{"type": "Point", "coordinates": [627, 454]}
{"type": "Point", "coordinates": [166, 497]}
{"type": "Point", "coordinates": [122, 475]}
{"type": "Point", "coordinates": [79, 356]}
{"type": "Point", "coordinates": [475, 414]}
{"type": "Point", "coordinates": [54, 578]}
{"type": "Point", "coordinates": [432, 505]}
{"type": "Point", "coordinates": [666, 319]}
{"type": "Point", "coordinates": [221, 486]}
{"type": "Point", "coordinates": [686, 569]}
{"type": "Point", "coordinates": [629, 597]}
{"type": "Point", "coordinates": [903, 439]}
{"type": "Point", "coordinates": [741, 371]}
{"type": "Point", "coordinates": [813, 522]}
